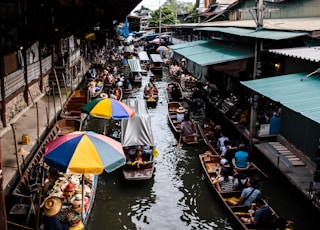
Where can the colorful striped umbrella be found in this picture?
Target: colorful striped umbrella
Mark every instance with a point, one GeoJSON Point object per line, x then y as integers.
{"type": "Point", "coordinates": [84, 152]}
{"type": "Point", "coordinates": [107, 108]}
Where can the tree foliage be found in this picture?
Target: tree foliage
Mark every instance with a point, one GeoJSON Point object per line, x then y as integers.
{"type": "Point", "coordinates": [140, 11]}
{"type": "Point", "coordinates": [179, 7]}
{"type": "Point", "coordinates": [168, 17]}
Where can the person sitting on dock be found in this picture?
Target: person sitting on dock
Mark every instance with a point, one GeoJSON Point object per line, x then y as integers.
{"type": "Point", "coordinates": [240, 160]}
{"type": "Point", "coordinates": [248, 195]}
{"type": "Point", "coordinates": [262, 217]}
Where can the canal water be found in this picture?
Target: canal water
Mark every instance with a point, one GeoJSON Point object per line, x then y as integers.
{"type": "Point", "coordinates": [178, 196]}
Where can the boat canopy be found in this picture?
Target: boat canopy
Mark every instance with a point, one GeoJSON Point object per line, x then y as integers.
{"type": "Point", "coordinates": [156, 58]}
{"type": "Point", "coordinates": [134, 65]}
{"type": "Point", "coordinates": [137, 130]}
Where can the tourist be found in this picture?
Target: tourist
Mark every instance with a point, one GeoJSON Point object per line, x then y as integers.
{"type": "Point", "coordinates": [261, 217]}
{"type": "Point", "coordinates": [224, 180]}
{"type": "Point", "coordinates": [248, 195]}
{"type": "Point", "coordinates": [223, 137]}
{"type": "Point", "coordinates": [240, 159]}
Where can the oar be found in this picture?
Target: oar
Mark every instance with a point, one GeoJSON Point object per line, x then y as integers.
{"type": "Point", "coordinates": [179, 142]}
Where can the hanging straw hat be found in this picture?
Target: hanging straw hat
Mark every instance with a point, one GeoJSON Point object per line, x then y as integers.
{"type": "Point", "coordinates": [52, 206]}
{"type": "Point", "coordinates": [23, 152]}
{"type": "Point", "coordinates": [181, 110]}
{"type": "Point", "coordinates": [104, 95]}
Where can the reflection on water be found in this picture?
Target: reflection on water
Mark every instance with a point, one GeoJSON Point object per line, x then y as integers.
{"type": "Point", "coordinates": [178, 196]}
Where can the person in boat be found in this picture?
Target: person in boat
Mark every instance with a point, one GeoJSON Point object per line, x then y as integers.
{"type": "Point", "coordinates": [233, 148]}
{"type": "Point", "coordinates": [224, 180]}
{"type": "Point", "coordinates": [180, 114]}
{"type": "Point", "coordinates": [147, 153]}
{"type": "Point", "coordinates": [240, 181]}
{"type": "Point", "coordinates": [248, 195]}
{"type": "Point", "coordinates": [187, 127]}
{"type": "Point", "coordinates": [51, 220]}
{"type": "Point", "coordinates": [261, 217]}
{"type": "Point", "coordinates": [223, 137]}
{"type": "Point", "coordinates": [92, 88]}
{"type": "Point", "coordinates": [240, 160]}
{"type": "Point", "coordinates": [175, 94]}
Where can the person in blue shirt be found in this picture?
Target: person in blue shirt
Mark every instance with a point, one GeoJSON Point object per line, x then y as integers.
{"type": "Point", "coordinates": [240, 159]}
{"type": "Point", "coordinates": [262, 217]}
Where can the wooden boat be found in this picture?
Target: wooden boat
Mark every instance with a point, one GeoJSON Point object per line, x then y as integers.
{"type": "Point", "coordinates": [174, 91]}
{"type": "Point", "coordinates": [210, 163]}
{"type": "Point", "coordinates": [95, 90]}
{"type": "Point", "coordinates": [150, 94]}
{"type": "Point", "coordinates": [115, 93]}
{"type": "Point", "coordinates": [206, 135]}
{"type": "Point", "coordinates": [176, 126]}
{"type": "Point", "coordinates": [175, 72]}
{"type": "Point", "coordinates": [34, 186]}
{"type": "Point", "coordinates": [71, 109]}
{"type": "Point", "coordinates": [137, 132]}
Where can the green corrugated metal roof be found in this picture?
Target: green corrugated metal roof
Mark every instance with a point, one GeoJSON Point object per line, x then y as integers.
{"type": "Point", "coordinates": [209, 52]}
{"type": "Point", "coordinates": [300, 96]}
{"type": "Point", "coordinates": [134, 65]}
{"type": "Point", "coordinates": [186, 44]}
{"type": "Point", "coordinates": [264, 34]}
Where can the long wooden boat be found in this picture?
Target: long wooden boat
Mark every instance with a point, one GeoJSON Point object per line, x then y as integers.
{"type": "Point", "coordinates": [138, 142]}
{"type": "Point", "coordinates": [176, 126]}
{"type": "Point", "coordinates": [97, 89]}
{"type": "Point", "coordinates": [35, 186]}
{"type": "Point", "coordinates": [210, 163]}
{"type": "Point", "coordinates": [175, 72]}
{"type": "Point", "coordinates": [150, 94]}
{"type": "Point", "coordinates": [174, 91]}
{"type": "Point", "coordinates": [206, 135]}
{"type": "Point", "coordinates": [71, 109]}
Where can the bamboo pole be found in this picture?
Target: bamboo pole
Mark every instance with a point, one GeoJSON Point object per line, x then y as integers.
{"type": "Point", "coordinates": [16, 148]}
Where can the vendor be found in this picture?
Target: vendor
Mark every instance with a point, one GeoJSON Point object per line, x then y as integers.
{"type": "Point", "coordinates": [51, 219]}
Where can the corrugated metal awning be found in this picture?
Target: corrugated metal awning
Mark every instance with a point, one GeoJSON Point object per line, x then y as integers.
{"type": "Point", "coordinates": [134, 65]}
{"type": "Point", "coordinates": [210, 52]}
{"type": "Point", "coordinates": [294, 91]}
{"type": "Point", "coordinates": [307, 53]}
{"type": "Point", "coordinates": [264, 34]}
{"type": "Point", "coordinates": [143, 56]}
{"type": "Point", "coordinates": [156, 58]}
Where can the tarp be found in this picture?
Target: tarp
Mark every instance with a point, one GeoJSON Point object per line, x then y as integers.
{"type": "Point", "coordinates": [143, 56]}
{"type": "Point", "coordinates": [294, 91]}
{"type": "Point", "coordinates": [134, 65]}
{"type": "Point", "coordinates": [156, 58]}
{"type": "Point", "coordinates": [137, 130]}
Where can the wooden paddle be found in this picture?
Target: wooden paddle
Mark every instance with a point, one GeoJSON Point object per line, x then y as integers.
{"type": "Point", "coordinates": [179, 141]}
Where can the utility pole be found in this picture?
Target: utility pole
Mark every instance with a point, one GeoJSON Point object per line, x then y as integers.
{"type": "Point", "coordinates": [160, 21]}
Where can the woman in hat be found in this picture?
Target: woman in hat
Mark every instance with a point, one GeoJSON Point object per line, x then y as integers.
{"type": "Point", "coordinates": [180, 114]}
{"type": "Point", "coordinates": [51, 219]}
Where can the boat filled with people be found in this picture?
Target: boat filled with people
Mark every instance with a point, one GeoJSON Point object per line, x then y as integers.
{"type": "Point", "coordinates": [138, 142]}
